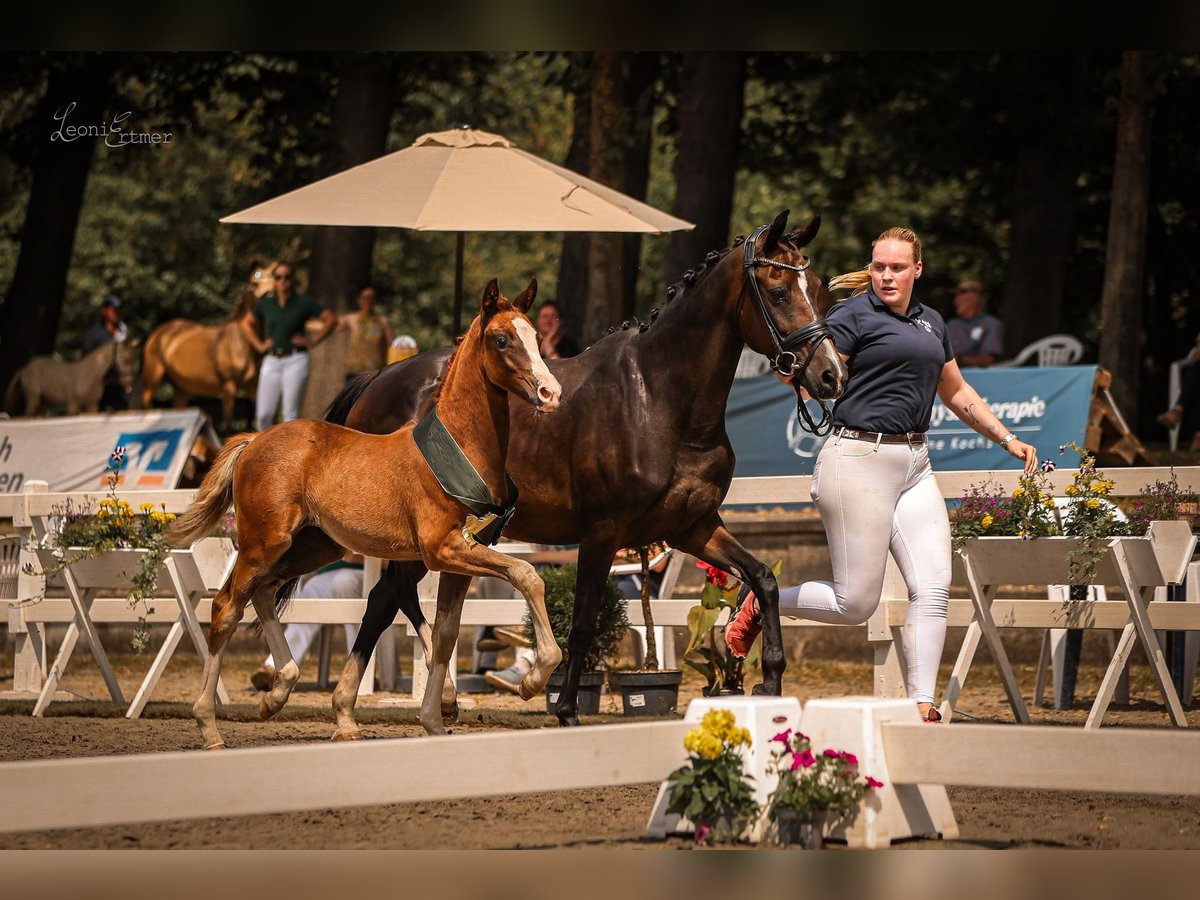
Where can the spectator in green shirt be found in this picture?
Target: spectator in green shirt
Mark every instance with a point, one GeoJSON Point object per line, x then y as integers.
{"type": "Point", "coordinates": [275, 326]}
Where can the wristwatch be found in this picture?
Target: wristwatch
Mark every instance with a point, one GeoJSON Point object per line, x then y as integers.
{"type": "Point", "coordinates": [1008, 437]}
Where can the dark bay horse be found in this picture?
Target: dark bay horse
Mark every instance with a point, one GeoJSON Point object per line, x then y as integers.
{"type": "Point", "coordinates": [639, 452]}
{"type": "Point", "coordinates": [206, 360]}
{"type": "Point", "coordinates": [376, 495]}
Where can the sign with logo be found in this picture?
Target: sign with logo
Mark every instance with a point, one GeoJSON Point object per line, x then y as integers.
{"type": "Point", "coordinates": [71, 452]}
{"type": "Point", "coordinates": [1045, 407]}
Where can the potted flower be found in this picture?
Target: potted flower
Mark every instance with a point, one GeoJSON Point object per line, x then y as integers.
{"type": "Point", "coordinates": [611, 626]}
{"type": "Point", "coordinates": [112, 546]}
{"type": "Point", "coordinates": [724, 672]}
{"type": "Point", "coordinates": [648, 691]}
{"type": "Point", "coordinates": [814, 792]}
{"type": "Point", "coordinates": [712, 790]}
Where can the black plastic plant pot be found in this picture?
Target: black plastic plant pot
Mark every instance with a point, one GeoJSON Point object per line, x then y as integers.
{"type": "Point", "coordinates": [588, 698]}
{"type": "Point", "coordinates": [648, 693]}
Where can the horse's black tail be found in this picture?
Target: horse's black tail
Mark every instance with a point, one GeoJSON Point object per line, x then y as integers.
{"type": "Point", "coordinates": [339, 409]}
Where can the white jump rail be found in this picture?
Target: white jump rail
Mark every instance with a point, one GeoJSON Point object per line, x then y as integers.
{"type": "Point", "coordinates": [908, 758]}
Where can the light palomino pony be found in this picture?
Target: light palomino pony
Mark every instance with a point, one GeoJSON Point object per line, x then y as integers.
{"type": "Point", "coordinates": [375, 495]}
{"type": "Point", "coordinates": [205, 360]}
{"type": "Point", "coordinates": [78, 386]}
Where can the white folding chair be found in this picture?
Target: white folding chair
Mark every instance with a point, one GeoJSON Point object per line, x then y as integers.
{"type": "Point", "coordinates": [1053, 350]}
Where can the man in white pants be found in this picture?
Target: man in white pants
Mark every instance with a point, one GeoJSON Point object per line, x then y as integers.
{"type": "Point", "coordinates": [281, 316]}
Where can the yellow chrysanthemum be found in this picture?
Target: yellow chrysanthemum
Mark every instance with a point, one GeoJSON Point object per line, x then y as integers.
{"type": "Point", "coordinates": [986, 521]}
{"type": "Point", "coordinates": [102, 512]}
{"type": "Point", "coordinates": [146, 507]}
{"type": "Point", "coordinates": [1019, 492]}
{"type": "Point", "coordinates": [1092, 503]}
{"type": "Point", "coordinates": [1048, 503]}
{"type": "Point", "coordinates": [1072, 490]}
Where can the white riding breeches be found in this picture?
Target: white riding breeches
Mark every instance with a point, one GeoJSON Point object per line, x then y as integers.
{"type": "Point", "coordinates": [874, 498]}
{"type": "Point", "coordinates": [281, 379]}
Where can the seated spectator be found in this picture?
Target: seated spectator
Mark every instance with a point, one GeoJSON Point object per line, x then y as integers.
{"type": "Point", "coordinates": [977, 338]}
{"type": "Point", "coordinates": [1185, 414]}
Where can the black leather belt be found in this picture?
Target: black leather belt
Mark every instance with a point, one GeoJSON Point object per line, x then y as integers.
{"type": "Point", "coordinates": [910, 437]}
{"type": "Point", "coordinates": [288, 352]}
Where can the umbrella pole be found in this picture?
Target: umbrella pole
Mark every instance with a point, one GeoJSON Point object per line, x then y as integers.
{"type": "Point", "coordinates": [458, 286]}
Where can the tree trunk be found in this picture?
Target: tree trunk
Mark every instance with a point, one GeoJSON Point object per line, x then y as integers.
{"type": "Point", "coordinates": [573, 265]}
{"type": "Point", "coordinates": [32, 307]}
{"type": "Point", "coordinates": [604, 250]}
{"type": "Point", "coordinates": [1043, 207]}
{"type": "Point", "coordinates": [639, 106]}
{"type": "Point", "coordinates": [1125, 261]}
{"type": "Point", "coordinates": [342, 254]}
{"type": "Point", "coordinates": [710, 117]}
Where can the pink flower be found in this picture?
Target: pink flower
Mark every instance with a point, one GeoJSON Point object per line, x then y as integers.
{"type": "Point", "coordinates": [783, 737]}
{"type": "Point", "coordinates": [874, 782]}
{"type": "Point", "coordinates": [803, 759]}
{"type": "Point", "coordinates": [850, 759]}
{"type": "Point", "coordinates": [702, 834]}
{"type": "Point", "coordinates": [831, 753]}
{"type": "Point", "coordinates": [712, 574]}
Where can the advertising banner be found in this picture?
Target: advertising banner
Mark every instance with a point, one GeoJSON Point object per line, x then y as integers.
{"type": "Point", "coordinates": [1045, 407]}
{"type": "Point", "coordinates": [71, 452]}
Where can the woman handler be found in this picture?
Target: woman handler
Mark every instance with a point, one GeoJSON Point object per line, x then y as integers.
{"type": "Point", "coordinates": [872, 482]}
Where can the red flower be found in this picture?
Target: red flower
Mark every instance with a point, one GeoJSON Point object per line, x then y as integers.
{"type": "Point", "coordinates": [702, 834]}
{"type": "Point", "coordinates": [803, 759]}
{"type": "Point", "coordinates": [850, 759]}
{"type": "Point", "coordinates": [783, 737]}
{"type": "Point", "coordinates": [831, 753]}
{"type": "Point", "coordinates": [874, 782]}
{"type": "Point", "coordinates": [713, 575]}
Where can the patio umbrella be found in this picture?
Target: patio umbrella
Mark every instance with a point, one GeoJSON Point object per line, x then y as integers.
{"type": "Point", "coordinates": [462, 180]}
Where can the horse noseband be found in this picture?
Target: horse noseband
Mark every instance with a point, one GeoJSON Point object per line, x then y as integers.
{"type": "Point", "coordinates": [786, 360]}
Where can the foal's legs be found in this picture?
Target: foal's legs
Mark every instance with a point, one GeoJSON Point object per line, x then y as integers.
{"type": "Point", "coordinates": [396, 589]}
{"type": "Point", "coordinates": [457, 555]}
{"type": "Point", "coordinates": [226, 614]}
{"type": "Point", "coordinates": [440, 688]}
{"type": "Point", "coordinates": [287, 672]}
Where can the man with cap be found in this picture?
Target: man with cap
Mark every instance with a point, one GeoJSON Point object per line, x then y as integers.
{"type": "Point", "coordinates": [109, 330]}
{"type": "Point", "coordinates": [977, 338]}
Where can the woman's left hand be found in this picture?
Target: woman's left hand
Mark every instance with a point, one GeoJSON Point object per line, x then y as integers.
{"type": "Point", "coordinates": [1023, 451]}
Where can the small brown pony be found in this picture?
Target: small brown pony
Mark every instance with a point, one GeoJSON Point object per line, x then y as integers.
{"type": "Point", "coordinates": [376, 495]}
{"type": "Point", "coordinates": [205, 360]}
{"type": "Point", "coordinates": [44, 381]}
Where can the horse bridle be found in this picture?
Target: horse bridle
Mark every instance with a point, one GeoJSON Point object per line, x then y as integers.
{"type": "Point", "coordinates": [785, 361]}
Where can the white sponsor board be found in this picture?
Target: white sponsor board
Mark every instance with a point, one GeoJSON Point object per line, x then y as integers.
{"type": "Point", "coordinates": [71, 452]}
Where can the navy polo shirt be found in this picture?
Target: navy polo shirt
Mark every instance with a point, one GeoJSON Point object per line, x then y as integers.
{"type": "Point", "coordinates": [895, 363]}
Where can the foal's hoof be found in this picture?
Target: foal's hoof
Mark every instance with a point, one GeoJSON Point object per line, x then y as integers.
{"type": "Point", "coordinates": [450, 713]}
{"type": "Point", "coordinates": [347, 734]}
{"type": "Point", "coordinates": [265, 712]}
{"type": "Point", "coordinates": [528, 691]}
{"type": "Point", "coordinates": [220, 745]}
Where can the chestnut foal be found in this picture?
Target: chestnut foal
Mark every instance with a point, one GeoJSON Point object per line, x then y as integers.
{"type": "Point", "coordinates": [376, 495]}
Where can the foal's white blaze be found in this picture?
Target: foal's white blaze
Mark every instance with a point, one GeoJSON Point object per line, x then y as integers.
{"type": "Point", "coordinates": [548, 388]}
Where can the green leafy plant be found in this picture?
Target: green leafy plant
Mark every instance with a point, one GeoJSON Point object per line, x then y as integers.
{"type": "Point", "coordinates": [712, 789]}
{"type": "Point", "coordinates": [86, 534]}
{"type": "Point", "coordinates": [829, 782]}
{"type": "Point", "coordinates": [1092, 517]}
{"type": "Point", "coordinates": [611, 624]}
{"type": "Point", "coordinates": [985, 511]}
{"type": "Point", "coordinates": [1162, 501]}
{"type": "Point", "coordinates": [722, 670]}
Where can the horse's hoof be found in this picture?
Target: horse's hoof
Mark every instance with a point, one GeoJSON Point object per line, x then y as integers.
{"type": "Point", "coordinates": [527, 691]}
{"type": "Point", "coordinates": [347, 734]}
{"type": "Point", "coordinates": [264, 710]}
{"type": "Point", "coordinates": [568, 721]}
{"type": "Point", "coordinates": [219, 745]}
{"type": "Point", "coordinates": [450, 714]}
